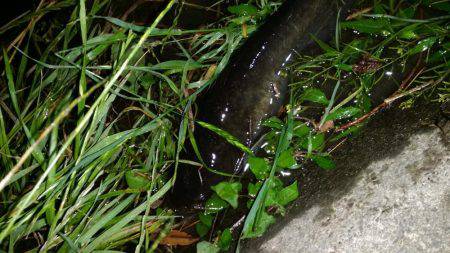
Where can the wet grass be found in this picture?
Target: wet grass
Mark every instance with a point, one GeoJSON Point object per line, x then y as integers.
{"type": "Point", "coordinates": [92, 119]}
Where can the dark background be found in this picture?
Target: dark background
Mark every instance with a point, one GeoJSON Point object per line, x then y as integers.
{"type": "Point", "coordinates": [14, 8]}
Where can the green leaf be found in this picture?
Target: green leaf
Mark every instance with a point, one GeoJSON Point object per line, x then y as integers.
{"type": "Point", "coordinates": [207, 247]}
{"type": "Point", "coordinates": [206, 219]}
{"type": "Point", "coordinates": [439, 5]}
{"type": "Point", "coordinates": [316, 142]}
{"type": "Point", "coordinates": [301, 130]}
{"type": "Point", "coordinates": [273, 122]}
{"type": "Point", "coordinates": [325, 47]}
{"type": "Point", "coordinates": [136, 179]}
{"type": "Point", "coordinates": [343, 113]}
{"type": "Point", "coordinates": [314, 95]}
{"type": "Point", "coordinates": [324, 162]}
{"type": "Point", "coordinates": [177, 65]}
{"type": "Point", "coordinates": [287, 159]}
{"type": "Point", "coordinates": [227, 136]}
{"type": "Point", "coordinates": [408, 32]}
{"type": "Point", "coordinates": [344, 67]}
{"type": "Point", "coordinates": [288, 194]}
{"type": "Point", "coordinates": [261, 226]}
{"type": "Point", "coordinates": [201, 229]}
{"type": "Point", "coordinates": [346, 133]}
{"type": "Point", "coordinates": [215, 204]}
{"type": "Point", "coordinates": [407, 12]}
{"type": "Point", "coordinates": [259, 167]}
{"type": "Point", "coordinates": [225, 240]}
{"type": "Point", "coordinates": [371, 26]}
{"type": "Point", "coordinates": [253, 189]}
{"type": "Point", "coordinates": [243, 10]}
{"type": "Point", "coordinates": [423, 45]}
{"type": "Point", "coordinates": [228, 192]}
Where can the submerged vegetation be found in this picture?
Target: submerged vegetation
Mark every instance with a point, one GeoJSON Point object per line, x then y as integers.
{"type": "Point", "coordinates": [95, 110]}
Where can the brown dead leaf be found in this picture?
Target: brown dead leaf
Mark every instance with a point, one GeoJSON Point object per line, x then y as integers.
{"type": "Point", "coordinates": [358, 13]}
{"type": "Point", "coordinates": [179, 238]}
{"type": "Point", "coordinates": [210, 72]}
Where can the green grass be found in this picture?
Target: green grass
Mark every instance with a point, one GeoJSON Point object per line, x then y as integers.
{"type": "Point", "coordinates": [91, 121]}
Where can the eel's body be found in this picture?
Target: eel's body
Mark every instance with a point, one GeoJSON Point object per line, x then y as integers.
{"type": "Point", "coordinates": [250, 89]}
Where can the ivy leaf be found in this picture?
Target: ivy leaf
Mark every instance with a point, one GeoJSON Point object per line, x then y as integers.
{"type": "Point", "coordinates": [201, 229]}
{"type": "Point", "coordinates": [215, 204]}
{"type": "Point", "coordinates": [206, 219]}
{"type": "Point", "coordinates": [314, 95]}
{"type": "Point", "coordinates": [207, 247]}
{"type": "Point", "coordinates": [259, 167]}
{"type": "Point", "coordinates": [287, 160]}
{"type": "Point", "coordinates": [253, 189]}
{"type": "Point", "coordinates": [288, 194]}
{"type": "Point", "coordinates": [324, 162]}
{"type": "Point", "coordinates": [261, 226]}
{"type": "Point", "coordinates": [228, 192]}
{"type": "Point", "coordinates": [225, 240]}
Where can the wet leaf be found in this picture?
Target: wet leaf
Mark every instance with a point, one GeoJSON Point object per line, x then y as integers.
{"type": "Point", "coordinates": [344, 67]}
{"type": "Point", "coordinates": [136, 179]}
{"type": "Point", "coordinates": [227, 136]}
{"type": "Point", "coordinates": [371, 26]}
{"type": "Point", "coordinates": [243, 10]}
{"type": "Point", "coordinates": [228, 192]}
{"type": "Point", "coordinates": [225, 239]}
{"type": "Point", "coordinates": [325, 47]}
{"type": "Point", "coordinates": [343, 113]}
{"type": "Point", "coordinates": [324, 162]}
{"type": "Point", "coordinates": [206, 219]}
{"type": "Point", "coordinates": [253, 189]}
{"type": "Point", "coordinates": [288, 194]}
{"type": "Point", "coordinates": [207, 247]}
{"type": "Point", "coordinates": [346, 133]}
{"type": "Point", "coordinates": [215, 204]}
{"type": "Point", "coordinates": [201, 229]}
{"type": "Point", "coordinates": [261, 226]}
{"type": "Point", "coordinates": [177, 65]}
{"type": "Point", "coordinates": [259, 167]}
{"type": "Point", "coordinates": [301, 130]}
{"type": "Point", "coordinates": [423, 45]}
{"type": "Point", "coordinates": [439, 5]}
{"type": "Point", "coordinates": [316, 142]}
{"type": "Point", "coordinates": [287, 159]}
{"type": "Point", "coordinates": [273, 122]}
{"type": "Point", "coordinates": [314, 95]}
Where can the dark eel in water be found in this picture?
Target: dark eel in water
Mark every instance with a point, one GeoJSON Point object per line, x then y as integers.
{"type": "Point", "coordinates": [251, 88]}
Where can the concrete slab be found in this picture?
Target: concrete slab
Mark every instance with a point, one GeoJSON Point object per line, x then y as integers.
{"type": "Point", "coordinates": [391, 193]}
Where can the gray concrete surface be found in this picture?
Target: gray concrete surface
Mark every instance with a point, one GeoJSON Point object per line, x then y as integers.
{"type": "Point", "coordinates": [389, 197]}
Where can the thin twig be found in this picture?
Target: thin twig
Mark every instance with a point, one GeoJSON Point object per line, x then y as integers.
{"type": "Point", "coordinates": [397, 95]}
